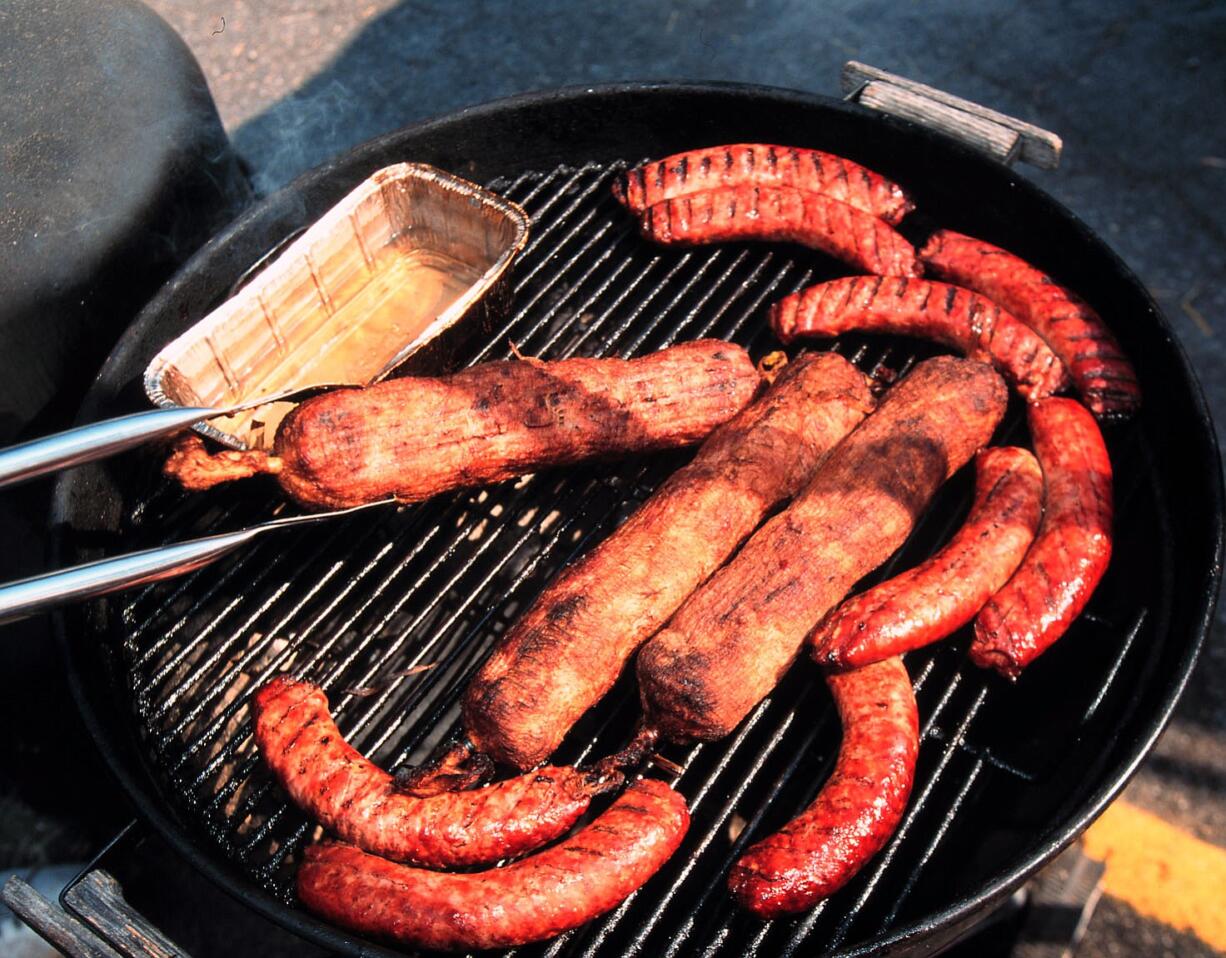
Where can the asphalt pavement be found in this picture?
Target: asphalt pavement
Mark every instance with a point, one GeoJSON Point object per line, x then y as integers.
{"type": "Point", "coordinates": [1135, 89]}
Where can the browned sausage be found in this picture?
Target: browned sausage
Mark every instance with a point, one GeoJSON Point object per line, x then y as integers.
{"type": "Point", "coordinates": [730, 642]}
{"type": "Point", "coordinates": [349, 796]}
{"type": "Point", "coordinates": [761, 164]}
{"type": "Point", "coordinates": [857, 810]}
{"type": "Point", "coordinates": [941, 595]}
{"type": "Point", "coordinates": [567, 650]}
{"type": "Point", "coordinates": [413, 438]}
{"type": "Point", "coordinates": [781, 214]}
{"type": "Point", "coordinates": [530, 900]}
{"type": "Point", "coordinates": [1076, 333]}
{"type": "Point", "coordinates": [1070, 553]}
{"type": "Point", "coordinates": [914, 307]}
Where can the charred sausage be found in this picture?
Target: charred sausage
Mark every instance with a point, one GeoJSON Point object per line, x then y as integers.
{"type": "Point", "coordinates": [730, 642]}
{"type": "Point", "coordinates": [1076, 333]}
{"type": "Point", "coordinates": [939, 596]}
{"type": "Point", "coordinates": [530, 900]}
{"type": "Point", "coordinates": [567, 650]}
{"type": "Point", "coordinates": [1070, 552]}
{"type": "Point", "coordinates": [760, 164]}
{"type": "Point", "coordinates": [781, 214]}
{"type": "Point", "coordinates": [914, 307]}
{"type": "Point", "coordinates": [327, 778]}
{"type": "Point", "coordinates": [857, 810]}
{"type": "Point", "coordinates": [413, 438]}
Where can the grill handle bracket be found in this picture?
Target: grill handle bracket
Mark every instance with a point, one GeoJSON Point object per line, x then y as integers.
{"type": "Point", "coordinates": [999, 135]}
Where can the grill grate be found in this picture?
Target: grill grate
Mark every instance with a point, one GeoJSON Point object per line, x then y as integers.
{"type": "Point", "coordinates": [359, 603]}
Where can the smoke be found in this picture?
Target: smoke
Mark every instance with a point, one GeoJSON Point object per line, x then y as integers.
{"type": "Point", "coordinates": [305, 129]}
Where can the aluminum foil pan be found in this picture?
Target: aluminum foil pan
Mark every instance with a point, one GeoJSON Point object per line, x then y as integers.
{"type": "Point", "coordinates": [401, 263]}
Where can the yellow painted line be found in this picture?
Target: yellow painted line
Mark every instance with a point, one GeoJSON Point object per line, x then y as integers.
{"type": "Point", "coordinates": [1162, 872]}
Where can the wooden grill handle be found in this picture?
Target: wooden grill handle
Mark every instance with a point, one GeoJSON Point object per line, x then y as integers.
{"type": "Point", "coordinates": [1001, 136]}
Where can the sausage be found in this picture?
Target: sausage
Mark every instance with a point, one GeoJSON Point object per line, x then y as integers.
{"type": "Point", "coordinates": [912, 307]}
{"type": "Point", "coordinates": [530, 900]}
{"type": "Point", "coordinates": [1070, 552]}
{"type": "Point", "coordinates": [568, 649]}
{"type": "Point", "coordinates": [760, 164]}
{"type": "Point", "coordinates": [1100, 371]}
{"type": "Point", "coordinates": [781, 214]}
{"type": "Point", "coordinates": [413, 438]}
{"type": "Point", "coordinates": [857, 810]}
{"type": "Point", "coordinates": [329, 780]}
{"type": "Point", "coordinates": [939, 596]}
{"type": "Point", "coordinates": [730, 642]}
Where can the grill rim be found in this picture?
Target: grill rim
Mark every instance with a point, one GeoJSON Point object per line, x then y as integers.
{"type": "Point", "coordinates": [103, 713]}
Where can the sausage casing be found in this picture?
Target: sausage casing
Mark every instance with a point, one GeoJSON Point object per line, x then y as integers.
{"type": "Point", "coordinates": [1077, 334]}
{"type": "Point", "coordinates": [939, 596]}
{"type": "Point", "coordinates": [355, 799]}
{"type": "Point", "coordinates": [762, 164]}
{"type": "Point", "coordinates": [781, 214]}
{"type": "Point", "coordinates": [413, 438]}
{"type": "Point", "coordinates": [567, 650]}
{"type": "Point", "coordinates": [1070, 552]}
{"type": "Point", "coordinates": [529, 900]}
{"type": "Point", "coordinates": [946, 314]}
{"type": "Point", "coordinates": [857, 810]}
{"type": "Point", "coordinates": [730, 642]}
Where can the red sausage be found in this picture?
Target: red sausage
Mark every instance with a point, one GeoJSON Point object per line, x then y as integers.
{"type": "Point", "coordinates": [913, 307]}
{"type": "Point", "coordinates": [530, 900]}
{"type": "Point", "coordinates": [1076, 333]}
{"type": "Point", "coordinates": [781, 214]}
{"type": "Point", "coordinates": [939, 596]}
{"type": "Point", "coordinates": [760, 164]}
{"type": "Point", "coordinates": [857, 810]}
{"type": "Point", "coordinates": [327, 778]}
{"type": "Point", "coordinates": [1070, 553]}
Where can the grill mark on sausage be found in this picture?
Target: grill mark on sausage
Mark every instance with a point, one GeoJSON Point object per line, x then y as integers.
{"type": "Point", "coordinates": [841, 167]}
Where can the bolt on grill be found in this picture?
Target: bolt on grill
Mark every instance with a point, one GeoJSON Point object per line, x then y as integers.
{"type": "Point", "coordinates": [361, 605]}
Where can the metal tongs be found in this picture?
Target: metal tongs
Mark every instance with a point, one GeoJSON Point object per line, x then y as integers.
{"type": "Point", "coordinates": [99, 440]}
{"type": "Point", "coordinates": [268, 334]}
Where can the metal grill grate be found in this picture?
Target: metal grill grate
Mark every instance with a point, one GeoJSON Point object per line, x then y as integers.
{"type": "Point", "coordinates": [358, 604]}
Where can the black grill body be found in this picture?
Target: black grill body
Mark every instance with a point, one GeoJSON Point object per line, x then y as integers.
{"type": "Point", "coordinates": [1008, 774]}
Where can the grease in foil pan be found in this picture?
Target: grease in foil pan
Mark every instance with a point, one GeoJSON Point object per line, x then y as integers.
{"type": "Point", "coordinates": [403, 262]}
